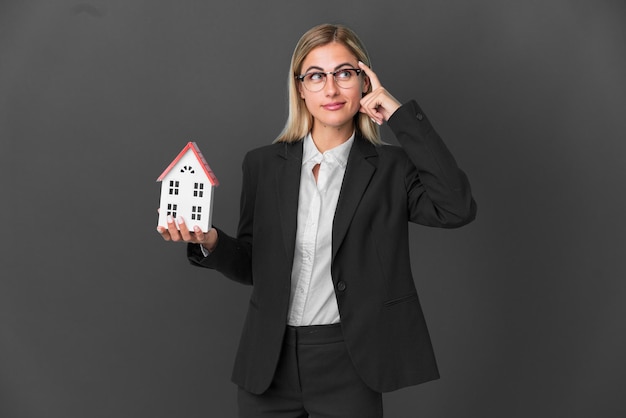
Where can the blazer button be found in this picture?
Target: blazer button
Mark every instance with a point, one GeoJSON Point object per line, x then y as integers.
{"type": "Point", "coordinates": [341, 286]}
{"type": "Point", "coordinates": [419, 116]}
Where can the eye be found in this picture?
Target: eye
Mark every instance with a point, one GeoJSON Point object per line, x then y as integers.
{"type": "Point", "coordinates": [343, 74]}
{"type": "Point", "coordinates": [315, 77]}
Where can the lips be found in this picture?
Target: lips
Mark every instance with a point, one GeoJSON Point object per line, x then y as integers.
{"type": "Point", "coordinates": [334, 106]}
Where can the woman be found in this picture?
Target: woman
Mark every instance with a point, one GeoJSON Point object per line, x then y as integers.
{"type": "Point", "coordinates": [334, 319]}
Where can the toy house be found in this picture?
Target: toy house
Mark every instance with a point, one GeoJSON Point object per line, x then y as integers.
{"type": "Point", "coordinates": [187, 189]}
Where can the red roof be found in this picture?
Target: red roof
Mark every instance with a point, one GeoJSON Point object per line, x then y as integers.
{"type": "Point", "coordinates": [196, 151]}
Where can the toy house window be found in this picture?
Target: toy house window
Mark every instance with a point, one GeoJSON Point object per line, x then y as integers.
{"type": "Point", "coordinates": [195, 212]}
{"type": "Point", "coordinates": [171, 209]}
{"type": "Point", "coordinates": [174, 185]}
{"type": "Point", "coordinates": [187, 169]}
{"type": "Point", "coordinates": [198, 189]}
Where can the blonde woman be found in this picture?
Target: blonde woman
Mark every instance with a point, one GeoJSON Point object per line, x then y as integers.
{"type": "Point", "coordinates": [334, 318]}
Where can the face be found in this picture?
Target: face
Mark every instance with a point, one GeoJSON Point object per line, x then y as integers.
{"type": "Point", "coordinates": [333, 106]}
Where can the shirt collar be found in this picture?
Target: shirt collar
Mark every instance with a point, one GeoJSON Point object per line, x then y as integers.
{"type": "Point", "coordinates": [339, 153]}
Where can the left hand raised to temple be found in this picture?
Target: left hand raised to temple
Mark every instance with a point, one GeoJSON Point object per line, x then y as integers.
{"type": "Point", "coordinates": [379, 104]}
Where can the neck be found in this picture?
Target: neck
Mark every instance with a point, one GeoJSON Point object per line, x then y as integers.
{"type": "Point", "coordinates": [326, 138]}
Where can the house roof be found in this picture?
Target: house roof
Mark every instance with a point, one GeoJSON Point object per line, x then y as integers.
{"type": "Point", "coordinates": [196, 152]}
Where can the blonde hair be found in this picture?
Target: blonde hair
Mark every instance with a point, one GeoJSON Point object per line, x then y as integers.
{"type": "Point", "coordinates": [299, 122]}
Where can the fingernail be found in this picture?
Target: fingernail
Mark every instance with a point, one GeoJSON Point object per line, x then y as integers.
{"type": "Point", "coordinates": [180, 220]}
{"type": "Point", "coordinates": [170, 219]}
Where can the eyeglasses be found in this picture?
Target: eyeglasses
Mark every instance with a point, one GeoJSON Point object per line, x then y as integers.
{"type": "Point", "coordinates": [345, 78]}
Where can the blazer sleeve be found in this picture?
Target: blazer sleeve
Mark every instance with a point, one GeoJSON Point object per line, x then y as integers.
{"type": "Point", "coordinates": [233, 256]}
{"type": "Point", "coordinates": [438, 191]}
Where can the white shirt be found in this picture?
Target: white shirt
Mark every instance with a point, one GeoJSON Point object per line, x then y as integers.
{"type": "Point", "coordinates": [313, 300]}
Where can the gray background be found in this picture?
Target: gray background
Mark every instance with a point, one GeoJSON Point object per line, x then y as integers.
{"type": "Point", "coordinates": [101, 318]}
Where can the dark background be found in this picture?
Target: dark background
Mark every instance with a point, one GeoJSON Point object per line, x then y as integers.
{"type": "Point", "coordinates": [99, 317]}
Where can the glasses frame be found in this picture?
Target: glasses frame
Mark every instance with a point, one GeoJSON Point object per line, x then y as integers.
{"type": "Point", "coordinates": [301, 77]}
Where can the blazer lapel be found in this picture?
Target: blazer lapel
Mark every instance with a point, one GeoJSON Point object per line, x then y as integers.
{"type": "Point", "coordinates": [288, 186]}
{"type": "Point", "coordinates": [361, 166]}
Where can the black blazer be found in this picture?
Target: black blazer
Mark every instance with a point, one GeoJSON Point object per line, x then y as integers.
{"type": "Point", "coordinates": [384, 188]}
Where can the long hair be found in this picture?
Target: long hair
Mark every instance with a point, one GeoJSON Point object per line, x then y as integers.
{"type": "Point", "coordinates": [299, 122]}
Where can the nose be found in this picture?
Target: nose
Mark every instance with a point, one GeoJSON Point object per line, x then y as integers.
{"type": "Point", "coordinates": [331, 87]}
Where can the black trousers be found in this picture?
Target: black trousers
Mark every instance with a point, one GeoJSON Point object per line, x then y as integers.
{"type": "Point", "coordinates": [315, 378]}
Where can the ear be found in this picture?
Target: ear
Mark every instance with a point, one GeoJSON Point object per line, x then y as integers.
{"type": "Point", "coordinates": [300, 91]}
{"type": "Point", "coordinates": [366, 84]}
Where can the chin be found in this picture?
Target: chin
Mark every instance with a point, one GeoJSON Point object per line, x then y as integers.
{"type": "Point", "coordinates": [336, 122]}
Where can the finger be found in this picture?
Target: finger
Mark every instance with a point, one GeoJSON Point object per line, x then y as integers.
{"type": "Point", "coordinates": [372, 76]}
{"type": "Point", "coordinates": [375, 116]}
{"type": "Point", "coordinates": [164, 233]}
{"type": "Point", "coordinates": [171, 229]}
{"type": "Point", "coordinates": [198, 234]}
{"type": "Point", "coordinates": [370, 105]}
{"type": "Point", "coordinates": [182, 227]}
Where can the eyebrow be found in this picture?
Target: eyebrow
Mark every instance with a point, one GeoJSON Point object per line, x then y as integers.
{"type": "Point", "coordinates": [315, 67]}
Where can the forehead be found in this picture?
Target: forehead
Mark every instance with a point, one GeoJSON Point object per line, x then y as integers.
{"type": "Point", "coordinates": [329, 56]}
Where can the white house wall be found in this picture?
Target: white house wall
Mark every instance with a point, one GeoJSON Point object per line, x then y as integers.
{"type": "Point", "coordinates": [187, 172]}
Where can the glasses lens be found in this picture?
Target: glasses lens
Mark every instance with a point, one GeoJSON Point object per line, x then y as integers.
{"type": "Point", "coordinates": [345, 77]}
{"type": "Point", "coordinates": [314, 81]}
